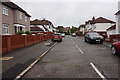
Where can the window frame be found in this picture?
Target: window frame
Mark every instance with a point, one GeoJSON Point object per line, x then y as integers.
{"type": "Point", "coordinates": [26, 18]}
{"type": "Point", "coordinates": [20, 15]}
{"type": "Point", "coordinates": [6, 27]}
{"type": "Point", "coordinates": [5, 10]}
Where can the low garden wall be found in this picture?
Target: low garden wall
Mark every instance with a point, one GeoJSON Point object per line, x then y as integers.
{"type": "Point", "coordinates": [12, 42]}
{"type": "Point", "coordinates": [114, 38]}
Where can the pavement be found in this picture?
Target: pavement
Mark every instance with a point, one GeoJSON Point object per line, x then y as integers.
{"type": "Point", "coordinates": [74, 58]}
{"type": "Point", "coordinates": [14, 62]}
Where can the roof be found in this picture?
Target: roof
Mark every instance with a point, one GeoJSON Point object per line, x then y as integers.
{"type": "Point", "coordinates": [36, 29]}
{"type": "Point", "coordinates": [14, 6]}
{"type": "Point", "coordinates": [103, 20]}
{"type": "Point", "coordinates": [117, 12]}
{"type": "Point", "coordinates": [40, 22]}
{"type": "Point", "coordinates": [99, 20]}
{"type": "Point", "coordinates": [111, 28]}
{"type": "Point", "coordinates": [82, 26]}
{"type": "Point", "coordinates": [67, 28]}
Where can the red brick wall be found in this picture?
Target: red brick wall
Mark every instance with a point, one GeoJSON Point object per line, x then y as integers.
{"type": "Point", "coordinates": [114, 38]}
{"type": "Point", "coordinates": [18, 41]}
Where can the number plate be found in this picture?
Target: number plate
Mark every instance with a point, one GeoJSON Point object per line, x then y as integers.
{"type": "Point", "coordinates": [97, 40]}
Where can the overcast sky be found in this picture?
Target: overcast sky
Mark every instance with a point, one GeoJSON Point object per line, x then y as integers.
{"type": "Point", "coordinates": [69, 12]}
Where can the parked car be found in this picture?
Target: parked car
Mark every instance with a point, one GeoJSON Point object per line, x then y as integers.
{"type": "Point", "coordinates": [57, 37]}
{"type": "Point", "coordinates": [73, 35]}
{"type": "Point", "coordinates": [93, 37]}
{"type": "Point", "coordinates": [63, 35]}
{"type": "Point", "coordinates": [115, 48]}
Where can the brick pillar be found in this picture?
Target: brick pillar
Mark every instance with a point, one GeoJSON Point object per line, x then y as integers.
{"type": "Point", "coordinates": [33, 38]}
{"type": "Point", "coordinates": [25, 40]}
{"type": "Point", "coordinates": [9, 43]}
{"type": "Point", "coordinates": [111, 38]}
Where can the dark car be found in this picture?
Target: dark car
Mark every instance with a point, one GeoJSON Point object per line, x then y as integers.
{"type": "Point", "coordinates": [93, 37]}
{"type": "Point", "coordinates": [115, 48]}
{"type": "Point", "coordinates": [57, 37]}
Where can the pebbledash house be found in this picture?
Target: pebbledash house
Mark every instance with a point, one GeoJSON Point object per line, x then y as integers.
{"type": "Point", "coordinates": [13, 19]}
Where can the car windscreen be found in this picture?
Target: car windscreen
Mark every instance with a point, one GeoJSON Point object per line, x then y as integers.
{"type": "Point", "coordinates": [94, 34]}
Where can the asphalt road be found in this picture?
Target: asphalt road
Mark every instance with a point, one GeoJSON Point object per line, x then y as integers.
{"type": "Point", "coordinates": [73, 58]}
{"type": "Point", "coordinates": [22, 58]}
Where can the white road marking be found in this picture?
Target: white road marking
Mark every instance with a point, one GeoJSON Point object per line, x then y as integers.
{"type": "Point", "coordinates": [77, 47]}
{"type": "Point", "coordinates": [98, 72]}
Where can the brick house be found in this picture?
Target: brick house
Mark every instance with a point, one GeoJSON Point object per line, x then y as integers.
{"type": "Point", "coordinates": [36, 29]}
{"type": "Point", "coordinates": [13, 19]}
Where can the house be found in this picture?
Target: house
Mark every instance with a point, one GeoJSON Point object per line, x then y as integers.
{"type": "Point", "coordinates": [118, 19]}
{"type": "Point", "coordinates": [82, 28]}
{"type": "Point", "coordinates": [36, 29]}
{"type": "Point", "coordinates": [111, 30]}
{"type": "Point", "coordinates": [66, 29]}
{"type": "Point", "coordinates": [45, 25]}
{"type": "Point", "coordinates": [99, 25]}
{"type": "Point", "coordinates": [13, 19]}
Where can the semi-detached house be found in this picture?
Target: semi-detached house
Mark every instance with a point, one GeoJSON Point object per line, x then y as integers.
{"type": "Point", "coordinates": [99, 25]}
{"type": "Point", "coordinates": [13, 19]}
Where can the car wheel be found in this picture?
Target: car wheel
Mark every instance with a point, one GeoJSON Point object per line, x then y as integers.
{"type": "Point", "coordinates": [85, 40]}
{"type": "Point", "coordinates": [114, 50]}
{"type": "Point", "coordinates": [52, 40]}
{"type": "Point", "coordinates": [61, 40]}
{"type": "Point", "coordinates": [89, 41]}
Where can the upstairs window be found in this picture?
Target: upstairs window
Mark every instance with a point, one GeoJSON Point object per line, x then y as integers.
{"type": "Point", "coordinates": [5, 28]}
{"type": "Point", "coordinates": [25, 18]}
{"type": "Point", "coordinates": [5, 10]}
{"type": "Point", "coordinates": [20, 15]}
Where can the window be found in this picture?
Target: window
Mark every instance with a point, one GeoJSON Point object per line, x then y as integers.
{"type": "Point", "coordinates": [5, 28]}
{"type": "Point", "coordinates": [5, 10]}
{"type": "Point", "coordinates": [25, 18]}
{"type": "Point", "coordinates": [20, 15]}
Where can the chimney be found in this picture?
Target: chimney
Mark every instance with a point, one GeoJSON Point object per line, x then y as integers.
{"type": "Point", "coordinates": [93, 18]}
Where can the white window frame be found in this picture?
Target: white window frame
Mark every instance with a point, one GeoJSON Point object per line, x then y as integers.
{"type": "Point", "coordinates": [20, 15]}
{"type": "Point", "coordinates": [5, 28]}
{"type": "Point", "coordinates": [5, 10]}
{"type": "Point", "coordinates": [25, 18]}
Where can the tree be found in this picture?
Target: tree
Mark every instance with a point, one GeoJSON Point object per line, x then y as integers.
{"type": "Point", "coordinates": [73, 29]}
{"type": "Point", "coordinates": [60, 29]}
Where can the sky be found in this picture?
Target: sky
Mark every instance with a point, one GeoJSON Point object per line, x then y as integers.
{"type": "Point", "coordinates": [69, 13]}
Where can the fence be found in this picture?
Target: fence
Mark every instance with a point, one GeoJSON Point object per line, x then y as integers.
{"type": "Point", "coordinates": [12, 42]}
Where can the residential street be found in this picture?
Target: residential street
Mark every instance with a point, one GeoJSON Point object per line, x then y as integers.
{"type": "Point", "coordinates": [72, 58]}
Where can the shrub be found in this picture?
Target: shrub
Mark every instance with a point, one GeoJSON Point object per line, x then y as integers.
{"type": "Point", "coordinates": [28, 32]}
{"type": "Point", "coordinates": [20, 32]}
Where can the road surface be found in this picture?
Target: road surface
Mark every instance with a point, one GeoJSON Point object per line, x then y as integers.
{"type": "Point", "coordinates": [73, 58]}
